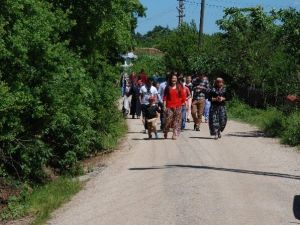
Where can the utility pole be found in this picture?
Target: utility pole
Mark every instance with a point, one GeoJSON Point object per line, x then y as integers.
{"type": "Point", "coordinates": [201, 26]}
{"type": "Point", "coordinates": [181, 14]}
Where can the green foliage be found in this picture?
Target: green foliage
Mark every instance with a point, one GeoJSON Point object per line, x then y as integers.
{"type": "Point", "coordinates": [58, 83]}
{"type": "Point", "coordinates": [291, 134]}
{"type": "Point", "coordinates": [42, 201]}
{"type": "Point", "coordinates": [272, 121]}
{"type": "Point", "coordinates": [179, 46]}
{"type": "Point", "coordinates": [152, 38]}
{"type": "Point", "coordinates": [151, 64]}
{"type": "Point", "coordinates": [251, 56]}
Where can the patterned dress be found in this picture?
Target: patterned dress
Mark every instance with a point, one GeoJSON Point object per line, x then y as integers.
{"type": "Point", "coordinates": [173, 119]}
{"type": "Point", "coordinates": [218, 114]}
{"type": "Point", "coordinates": [174, 101]}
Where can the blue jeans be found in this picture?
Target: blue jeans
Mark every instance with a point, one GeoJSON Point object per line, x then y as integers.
{"type": "Point", "coordinates": [183, 118]}
{"type": "Point", "coordinates": [206, 110]}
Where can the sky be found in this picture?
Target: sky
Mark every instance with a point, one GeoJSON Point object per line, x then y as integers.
{"type": "Point", "coordinates": [164, 12]}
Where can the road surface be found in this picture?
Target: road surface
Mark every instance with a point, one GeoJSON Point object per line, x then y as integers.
{"type": "Point", "coordinates": [243, 179]}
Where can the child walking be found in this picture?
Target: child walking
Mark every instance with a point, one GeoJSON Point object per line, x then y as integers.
{"type": "Point", "coordinates": [218, 114]}
{"type": "Point", "coordinates": [151, 116]}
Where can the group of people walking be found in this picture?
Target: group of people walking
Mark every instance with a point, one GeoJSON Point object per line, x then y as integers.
{"type": "Point", "coordinates": [175, 101]}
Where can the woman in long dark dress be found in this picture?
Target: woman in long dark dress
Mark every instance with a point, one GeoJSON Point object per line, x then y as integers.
{"type": "Point", "coordinates": [218, 114]}
{"type": "Point", "coordinates": [135, 109]}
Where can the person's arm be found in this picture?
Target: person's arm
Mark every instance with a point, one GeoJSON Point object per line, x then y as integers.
{"type": "Point", "coordinates": [189, 95]}
{"type": "Point", "coordinates": [141, 95]}
{"type": "Point", "coordinates": [224, 97]}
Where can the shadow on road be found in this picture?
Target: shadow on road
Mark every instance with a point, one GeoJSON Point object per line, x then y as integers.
{"type": "Point", "coordinates": [134, 132]}
{"type": "Point", "coordinates": [251, 134]}
{"type": "Point", "coordinates": [204, 138]}
{"type": "Point", "coordinates": [250, 172]}
{"type": "Point", "coordinates": [147, 139]}
{"type": "Point", "coordinates": [296, 207]}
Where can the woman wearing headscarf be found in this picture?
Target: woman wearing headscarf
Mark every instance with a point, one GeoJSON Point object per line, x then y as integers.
{"type": "Point", "coordinates": [218, 114]}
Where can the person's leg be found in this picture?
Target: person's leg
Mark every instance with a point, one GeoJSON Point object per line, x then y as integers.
{"type": "Point", "coordinates": [138, 109]}
{"type": "Point", "coordinates": [177, 118]}
{"type": "Point", "coordinates": [162, 117]}
{"type": "Point", "coordinates": [201, 110]}
{"type": "Point", "coordinates": [183, 117]}
{"type": "Point", "coordinates": [154, 124]}
{"type": "Point", "coordinates": [168, 121]}
{"type": "Point", "coordinates": [223, 118]}
{"type": "Point", "coordinates": [207, 108]}
{"type": "Point", "coordinates": [150, 129]}
{"type": "Point", "coordinates": [213, 121]}
{"type": "Point", "coordinates": [194, 113]}
{"type": "Point", "coordinates": [189, 110]}
{"type": "Point", "coordinates": [144, 107]}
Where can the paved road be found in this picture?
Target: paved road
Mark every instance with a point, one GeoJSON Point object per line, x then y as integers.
{"type": "Point", "coordinates": [243, 179]}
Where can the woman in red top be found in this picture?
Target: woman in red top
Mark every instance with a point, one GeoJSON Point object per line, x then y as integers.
{"type": "Point", "coordinates": [174, 98]}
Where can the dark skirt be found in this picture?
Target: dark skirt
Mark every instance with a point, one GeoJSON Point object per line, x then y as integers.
{"type": "Point", "coordinates": [217, 119]}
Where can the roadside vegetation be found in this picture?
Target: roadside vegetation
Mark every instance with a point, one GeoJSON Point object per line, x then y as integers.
{"type": "Point", "coordinates": [42, 201]}
{"type": "Point", "coordinates": [272, 121]}
{"type": "Point", "coordinates": [59, 91]}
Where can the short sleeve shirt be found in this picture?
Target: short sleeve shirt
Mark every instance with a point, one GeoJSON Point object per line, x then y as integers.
{"type": "Point", "coordinates": [146, 93]}
{"type": "Point", "coordinates": [151, 112]}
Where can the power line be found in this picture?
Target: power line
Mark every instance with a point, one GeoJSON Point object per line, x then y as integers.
{"type": "Point", "coordinates": [249, 4]}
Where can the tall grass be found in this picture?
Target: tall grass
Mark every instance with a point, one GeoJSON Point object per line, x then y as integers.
{"type": "Point", "coordinates": [42, 201]}
{"type": "Point", "coordinates": [271, 120]}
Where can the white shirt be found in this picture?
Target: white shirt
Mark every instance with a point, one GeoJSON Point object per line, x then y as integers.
{"type": "Point", "coordinates": [161, 91]}
{"type": "Point", "coordinates": [146, 94]}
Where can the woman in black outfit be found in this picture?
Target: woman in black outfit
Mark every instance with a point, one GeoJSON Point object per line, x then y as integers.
{"type": "Point", "coordinates": [136, 108]}
{"type": "Point", "coordinates": [218, 114]}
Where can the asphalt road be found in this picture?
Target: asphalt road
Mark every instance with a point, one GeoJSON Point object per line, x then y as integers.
{"type": "Point", "coordinates": [242, 179]}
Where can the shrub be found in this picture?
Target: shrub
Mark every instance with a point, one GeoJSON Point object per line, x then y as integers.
{"type": "Point", "coordinates": [57, 105]}
{"type": "Point", "coordinates": [272, 122]}
{"type": "Point", "coordinates": [291, 134]}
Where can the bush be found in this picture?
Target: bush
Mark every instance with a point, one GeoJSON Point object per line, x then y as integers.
{"type": "Point", "coordinates": [272, 122]}
{"type": "Point", "coordinates": [291, 134]}
{"type": "Point", "coordinates": [58, 97]}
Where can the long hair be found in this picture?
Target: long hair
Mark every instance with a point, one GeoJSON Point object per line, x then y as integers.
{"type": "Point", "coordinates": [168, 87]}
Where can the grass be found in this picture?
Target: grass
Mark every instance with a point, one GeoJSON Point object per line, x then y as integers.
{"type": "Point", "coordinates": [42, 201]}
{"type": "Point", "coordinates": [271, 120]}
